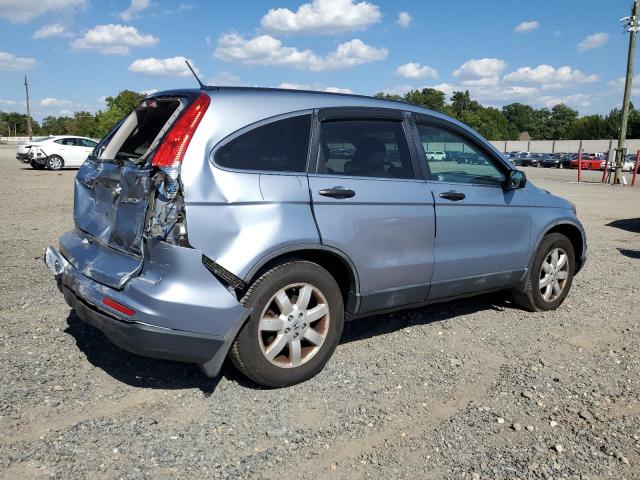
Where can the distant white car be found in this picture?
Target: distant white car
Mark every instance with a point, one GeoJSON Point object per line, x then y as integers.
{"type": "Point", "coordinates": [60, 151]}
{"type": "Point", "coordinates": [436, 156]}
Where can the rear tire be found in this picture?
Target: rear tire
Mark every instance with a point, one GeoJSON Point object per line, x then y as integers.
{"type": "Point", "coordinates": [550, 277]}
{"type": "Point", "coordinates": [55, 162]}
{"type": "Point", "coordinates": [294, 327]}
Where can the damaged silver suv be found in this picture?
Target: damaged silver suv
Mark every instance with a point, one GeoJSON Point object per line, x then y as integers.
{"type": "Point", "coordinates": [250, 223]}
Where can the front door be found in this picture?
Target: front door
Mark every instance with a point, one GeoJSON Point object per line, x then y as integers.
{"type": "Point", "coordinates": [483, 232]}
{"type": "Point", "coordinates": [369, 204]}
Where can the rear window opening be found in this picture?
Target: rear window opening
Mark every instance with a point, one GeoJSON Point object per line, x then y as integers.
{"type": "Point", "coordinates": [139, 133]}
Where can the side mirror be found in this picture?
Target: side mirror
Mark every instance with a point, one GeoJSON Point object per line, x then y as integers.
{"type": "Point", "coordinates": [515, 179]}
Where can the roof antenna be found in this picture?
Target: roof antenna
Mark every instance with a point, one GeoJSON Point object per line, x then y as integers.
{"type": "Point", "coordinates": [202, 85]}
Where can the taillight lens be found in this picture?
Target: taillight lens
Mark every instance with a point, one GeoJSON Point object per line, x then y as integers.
{"type": "Point", "coordinates": [171, 151]}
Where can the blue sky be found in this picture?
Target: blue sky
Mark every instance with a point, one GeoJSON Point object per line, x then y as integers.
{"type": "Point", "coordinates": [76, 52]}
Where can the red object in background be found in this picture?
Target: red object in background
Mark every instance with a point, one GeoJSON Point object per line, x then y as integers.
{"type": "Point", "coordinates": [635, 169]}
{"type": "Point", "coordinates": [579, 166]}
{"type": "Point", "coordinates": [591, 163]}
{"type": "Point", "coordinates": [606, 165]}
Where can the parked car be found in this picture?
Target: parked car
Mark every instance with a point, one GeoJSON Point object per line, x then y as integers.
{"type": "Point", "coordinates": [219, 222]}
{"type": "Point", "coordinates": [523, 159]}
{"type": "Point", "coordinates": [436, 155]}
{"type": "Point", "coordinates": [58, 152]}
{"type": "Point", "coordinates": [22, 150]}
{"type": "Point", "coordinates": [589, 161]}
{"type": "Point", "coordinates": [553, 160]}
{"type": "Point", "coordinates": [628, 163]}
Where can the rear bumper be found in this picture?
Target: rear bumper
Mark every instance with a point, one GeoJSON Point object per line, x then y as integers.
{"type": "Point", "coordinates": [146, 340]}
{"type": "Point", "coordinates": [180, 311]}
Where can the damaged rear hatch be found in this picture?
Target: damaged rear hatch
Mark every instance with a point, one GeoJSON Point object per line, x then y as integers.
{"type": "Point", "coordinates": [114, 189]}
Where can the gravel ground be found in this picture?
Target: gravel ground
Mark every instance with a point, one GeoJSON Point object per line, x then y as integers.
{"type": "Point", "coordinates": [466, 390]}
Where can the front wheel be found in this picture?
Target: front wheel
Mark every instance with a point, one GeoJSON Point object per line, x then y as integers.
{"type": "Point", "coordinates": [550, 277]}
{"type": "Point", "coordinates": [294, 327]}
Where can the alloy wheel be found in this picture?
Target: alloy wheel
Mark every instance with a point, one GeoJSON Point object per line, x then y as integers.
{"type": "Point", "coordinates": [553, 274]}
{"type": "Point", "coordinates": [294, 325]}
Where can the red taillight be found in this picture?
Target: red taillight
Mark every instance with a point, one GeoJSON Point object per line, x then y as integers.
{"type": "Point", "coordinates": [171, 151]}
{"type": "Point", "coordinates": [118, 307]}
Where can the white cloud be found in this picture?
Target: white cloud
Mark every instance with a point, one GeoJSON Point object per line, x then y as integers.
{"type": "Point", "coordinates": [415, 70]}
{"type": "Point", "coordinates": [134, 9]}
{"type": "Point", "coordinates": [580, 100]}
{"type": "Point", "coordinates": [592, 41]}
{"type": "Point", "coordinates": [50, 31]}
{"type": "Point", "coordinates": [9, 62]}
{"type": "Point", "coordinates": [113, 39]}
{"type": "Point", "coordinates": [404, 19]}
{"type": "Point", "coordinates": [225, 78]}
{"type": "Point", "coordinates": [163, 67]}
{"type": "Point", "coordinates": [319, 88]}
{"type": "Point", "coordinates": [322, 17]}
{"type": "Point", "coordinates": [480, 72]}
{"type": "Point", "coordinates": [267, 50]}
{"type": "Point", "coordinates": [617, 85]}
{"type": "Point", "coordinates": [9, 103]}
{"type": "Point", "coordinates": [550, 77]}
{"type": "Point", "coordinates": [151, 91]}
{"type": "Point", "coordinates": [54, 102]}
{"type": "Point", "coordinates": [21, 11]}
{"type": "Point", "coordinates": [526, 27]}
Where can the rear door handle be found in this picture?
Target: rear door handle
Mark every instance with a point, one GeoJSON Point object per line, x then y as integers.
{"type": "Point", "coordinates": [337, 192]}
{"type": "Point", "coordinates": [453, 196]}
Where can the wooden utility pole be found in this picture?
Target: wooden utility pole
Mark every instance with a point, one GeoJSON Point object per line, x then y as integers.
{"type": "Point", "coordinates": [29, 129]}
{"type": "Point", "coordinates": [631, 24]}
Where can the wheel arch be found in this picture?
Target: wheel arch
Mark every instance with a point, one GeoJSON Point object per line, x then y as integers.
{"type": "Point", "coordinates": [574, 233]}
{"type": "Point", "coordinates": [336, 262]}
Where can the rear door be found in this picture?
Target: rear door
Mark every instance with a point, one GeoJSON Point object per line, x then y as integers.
{"type": "Point", "coordinates": [371, 204]}
{"type": "Point", "coordinates": [82, 149]}
{"type": "Point", "coordinates": [483, 231]}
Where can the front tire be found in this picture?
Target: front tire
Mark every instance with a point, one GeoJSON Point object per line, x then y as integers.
{"type": "Point", "coordinates": [294, 327]}
{"type": "Point", "coordinates": [550, 277]}
{"type": "Point", "coordinates": [36, 166]}
{"type": "Point", "coordinates": [55, 162]}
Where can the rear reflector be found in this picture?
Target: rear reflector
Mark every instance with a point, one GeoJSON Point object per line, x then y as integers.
{"type": "Point", "coordinates": [171, 151]}
{"type": "Point", "coordinates": [118, 307]}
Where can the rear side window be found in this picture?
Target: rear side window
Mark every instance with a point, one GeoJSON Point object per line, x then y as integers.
{"type": "Point", "coordinates": [364, 148]}
{"type": "Point", "coordinates": [279, 146]}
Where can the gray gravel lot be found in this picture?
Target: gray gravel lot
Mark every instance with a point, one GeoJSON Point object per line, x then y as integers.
{"type": "Point", "coordinates": [466, 390]}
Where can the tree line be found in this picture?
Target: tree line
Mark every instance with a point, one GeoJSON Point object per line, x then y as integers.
{"type": "Point", "coordinates": [84, 124]}
{"type": "Point", "coordinates": [557, 123]}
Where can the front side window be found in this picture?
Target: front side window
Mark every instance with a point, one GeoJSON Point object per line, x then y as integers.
{"type": "Point", "coordinates": [279, 146]}
{"type": "Point", "coordinates": [87, 143]}
{"type": "Point", "coordinates": [460, 161]}
{"type": "Point", "coordinates": [364, 148]}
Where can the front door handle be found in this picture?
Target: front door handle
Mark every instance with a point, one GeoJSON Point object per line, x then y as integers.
{"type": "Point", "coordinates": [453, 196]}
{"type": "Point", "coordinates": [337, 192]}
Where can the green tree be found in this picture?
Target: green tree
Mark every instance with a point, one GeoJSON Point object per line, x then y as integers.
{"type": "Point", "coordinates": [523, 117]}
{"type": "Point", "coordinates": [561, 120]}
{"type": "Point", "coordinates": [428, 98]}
{"type": "Point", "coordinates": [117, 107]}
{"type": "Point", "coordinates": [591, 127]}
{"type": "Point", "coordinates": [490, 123]}
{"type": "Point", "coordinates": [461, 103]}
